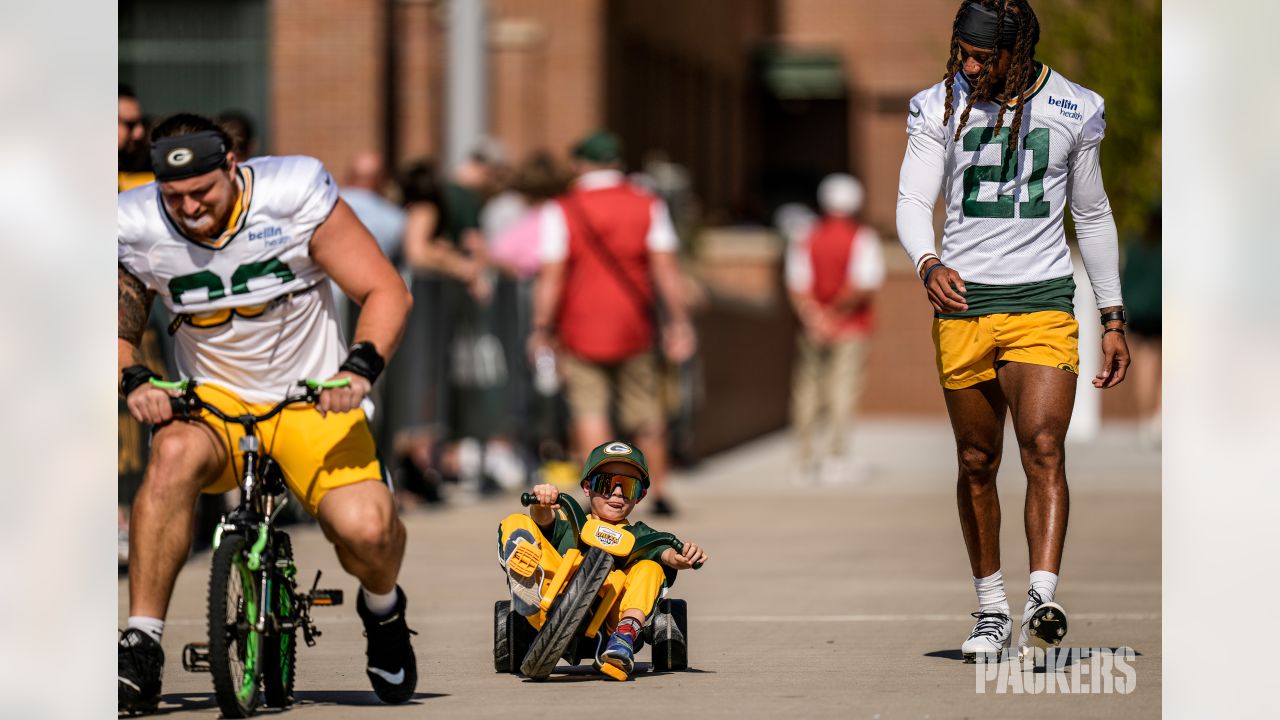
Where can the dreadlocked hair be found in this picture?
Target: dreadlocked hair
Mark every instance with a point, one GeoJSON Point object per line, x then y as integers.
{"type": "Point", "coordinates": [1021, 65]}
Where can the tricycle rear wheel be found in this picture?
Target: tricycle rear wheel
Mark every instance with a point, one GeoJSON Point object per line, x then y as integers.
{"type": "Point", "coordinates": [567, 615]}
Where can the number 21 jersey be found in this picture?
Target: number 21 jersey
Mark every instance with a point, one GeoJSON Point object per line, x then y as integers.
{"type": "Point", "coordinates": [1004, 213]}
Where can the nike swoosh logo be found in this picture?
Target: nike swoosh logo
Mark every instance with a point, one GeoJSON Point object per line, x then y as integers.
{"type": "Point", "coordinates": [393, 679]}
{"type": "Point", "coordinates": [913, 113]}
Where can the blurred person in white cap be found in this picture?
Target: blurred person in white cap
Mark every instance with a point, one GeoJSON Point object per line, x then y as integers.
{"type": "Point", "coordinates": [832, 273]}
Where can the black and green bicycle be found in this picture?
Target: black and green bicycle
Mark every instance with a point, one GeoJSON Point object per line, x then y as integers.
{"type": "Point", "coordinates": [255, 609]}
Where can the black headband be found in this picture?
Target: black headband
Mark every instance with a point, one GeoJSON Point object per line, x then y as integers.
{"type": "Point", "coordinates": [978, 28]}
{"type": "Point", "coordinates": [184, 156]}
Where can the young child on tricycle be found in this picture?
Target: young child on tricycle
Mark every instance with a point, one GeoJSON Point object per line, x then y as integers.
{"type": "Point", "coordinates": [559, 560]}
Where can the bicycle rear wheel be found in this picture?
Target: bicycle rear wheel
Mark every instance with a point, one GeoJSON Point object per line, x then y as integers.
{"type": "Point", "coordinates": [234, 644]}
{"type": "Point", "coordinates": [279, 648]}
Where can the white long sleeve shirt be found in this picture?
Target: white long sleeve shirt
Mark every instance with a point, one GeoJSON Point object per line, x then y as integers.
{"type": "Point", "coordinates": [1004, 220]}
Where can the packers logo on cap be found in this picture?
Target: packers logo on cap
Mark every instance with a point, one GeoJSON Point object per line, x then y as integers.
{"type": "Point", "coordinates": [618, 448]}
{"type": "Point", "coordinates": [179, 157]}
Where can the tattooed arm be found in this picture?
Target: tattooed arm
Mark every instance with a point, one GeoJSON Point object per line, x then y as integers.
{"type": "Point", "coordinates": [131, 319]}
{"type": "Point", "coordinates": [147, 404]}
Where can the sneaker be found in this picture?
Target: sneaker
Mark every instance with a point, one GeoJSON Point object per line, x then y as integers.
{"type": "Point", "coordinates": [663, 507]}
{"type": "Point", "coordinates": [520, 558]}
{"type": "Point", "coordinates": [620, 653]}
{"type": "Point", "coordinates": [140, 669]}
{"type": "Point", "coordinates": [392, 669]}
{"type": "Point", "coordinates": [990, 635]}
{"type": "Point", "coordinates": [1044, 624]}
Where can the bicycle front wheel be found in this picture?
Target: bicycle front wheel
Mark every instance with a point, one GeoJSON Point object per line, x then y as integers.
{"type": "Point", "coordinates": [280, 649]}
{"type": "Point", "coordinates": [234, 644]}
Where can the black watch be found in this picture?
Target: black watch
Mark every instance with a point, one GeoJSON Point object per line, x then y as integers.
{"type": "Point", "coordinates": [1114, 315]}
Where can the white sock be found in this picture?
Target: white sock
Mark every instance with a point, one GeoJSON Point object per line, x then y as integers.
{"type": "Point", "coordinates": [379, 605]}
{"type": "Point", "coordinates": [149, 625]}
{"type": "Point", "coordinates": [1045, 584]}
{"type": "Point", "coordinates": [991, 592]}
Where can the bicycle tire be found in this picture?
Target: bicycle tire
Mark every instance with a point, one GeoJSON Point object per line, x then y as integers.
{"type": "Point", "coordinates": [565, 620]}
{"type": "Point", "coordinates": [671, 637]}
{"type": "Point", "coordinates": [234, 647]}
{"type": "Point", "coordinates": [502, 660]}
{"type": "Point", "coordinates": [280, 648]}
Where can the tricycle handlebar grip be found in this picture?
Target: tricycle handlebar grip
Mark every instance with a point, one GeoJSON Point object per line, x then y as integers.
{"type": "Point", "coordinates": [527, 499]}
{"type": "Point", "coordinates": [678, 546]}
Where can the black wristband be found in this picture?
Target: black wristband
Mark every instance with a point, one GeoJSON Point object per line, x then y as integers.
{"type": "Point", "coordinates": [134, 377]}
{"type": "Point", "coordinates": [1114, 315]}
{"type": "Point", "coordinates": [925, 280]}
{"type": "Point", "coordinates": [364, 360]}
{"type": "Point", "coordinates": [1119, 330]}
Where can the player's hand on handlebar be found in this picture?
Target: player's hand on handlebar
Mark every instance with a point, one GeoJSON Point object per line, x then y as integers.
{"type": "Point", "coordinates": [150, 404]}
{"type": "Point", "coordinates": [346, 398]}
{"type": "Point", "coordinates": [547, 495]}
{"type": "Point", "coordinates": [945, 289]}
{"type": "Point", "coordinates": [692, 555]}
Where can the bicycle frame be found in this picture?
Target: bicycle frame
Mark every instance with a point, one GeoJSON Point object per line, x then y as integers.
{"type": "Point", "coordinates": [261, 481]}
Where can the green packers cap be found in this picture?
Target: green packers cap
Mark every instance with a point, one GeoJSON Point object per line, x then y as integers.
{"type": "Point", "coordinates": [599, 147]}
{"type": "Point", "coordinates": [617, 451]}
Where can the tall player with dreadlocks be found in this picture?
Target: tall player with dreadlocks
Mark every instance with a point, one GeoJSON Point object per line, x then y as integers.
{"type": "Point", "coordinates": [1009, 143]}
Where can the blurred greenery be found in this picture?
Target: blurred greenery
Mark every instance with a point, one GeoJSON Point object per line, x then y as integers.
{"type": "Point", "coordinates": [1113, 48]}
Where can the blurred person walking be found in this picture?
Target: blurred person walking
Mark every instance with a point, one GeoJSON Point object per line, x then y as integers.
{"type": "Point", "coordinates": [1002, 290]}
{"type": "Point", "coordinates": [607, 248]}
{"type": "Point", "coordinates": [418, 419]}
{"type": "Point", "coordinates": [534, 400]}
{"type": "Point", "coordinates": [832, 275]}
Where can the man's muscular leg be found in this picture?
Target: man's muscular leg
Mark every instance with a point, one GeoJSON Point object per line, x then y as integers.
{"type": "Point", "coordinates": [361, 522]}
{"type": "Point", "coordinates": [185, 457]}
{"type": "Point", "coordinates": [977, 420]}
{"type": "Point", "coordinates": [1040, 400]}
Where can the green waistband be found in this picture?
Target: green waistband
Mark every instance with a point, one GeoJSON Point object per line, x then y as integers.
{"type": "Point", "coordinates": [1056, 294]}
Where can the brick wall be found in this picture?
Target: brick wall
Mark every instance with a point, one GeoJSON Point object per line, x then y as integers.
{"type": "Point", "coordinates": [327, 83]}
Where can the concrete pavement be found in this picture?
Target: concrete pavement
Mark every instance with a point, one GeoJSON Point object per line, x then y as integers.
{"type": "Point", "coordinates": [818, 601]}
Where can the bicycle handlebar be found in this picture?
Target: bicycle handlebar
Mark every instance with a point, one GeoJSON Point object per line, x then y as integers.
{"type": "Point", "coordinates": [189, 400]}
{"type": "Point", "coordinates": [528, 499]}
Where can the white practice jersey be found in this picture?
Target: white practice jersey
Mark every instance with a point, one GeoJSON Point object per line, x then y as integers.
{"type": "Point", "coordinates": [1004, 220]}
{"type": "Point", "coordinates": [262, 259]}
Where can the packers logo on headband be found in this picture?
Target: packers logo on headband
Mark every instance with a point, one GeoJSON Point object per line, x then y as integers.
{"type": "Point", "coordinates": [179, 157]}
{"type": "Point", "coordinates": [618, 449]}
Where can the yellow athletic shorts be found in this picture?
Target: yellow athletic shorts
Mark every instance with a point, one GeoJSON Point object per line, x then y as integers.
{"type": "Point", "coordinates": [968, 349]}
{"type": "Point", "coordinates": [316, 454]}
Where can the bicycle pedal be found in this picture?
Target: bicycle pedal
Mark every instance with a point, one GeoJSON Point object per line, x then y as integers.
{"type": "Point", "coordinates": [524, 560]}
{"type": "Point", "coordinates": [326, 597]}
{"type": "Point", "coordinates": [195, 657]}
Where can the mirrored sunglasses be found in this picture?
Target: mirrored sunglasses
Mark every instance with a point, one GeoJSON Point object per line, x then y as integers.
{"type": "Point", "coordinates": [604, 483]}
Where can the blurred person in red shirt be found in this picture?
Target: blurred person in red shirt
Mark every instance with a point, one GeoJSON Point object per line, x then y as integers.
{"type": "Point", "coordinates": [832, 272]}
{"type": "Point", "coordinates": [608, 253]}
